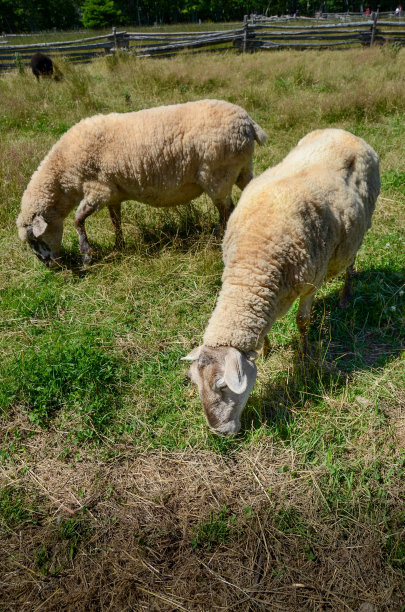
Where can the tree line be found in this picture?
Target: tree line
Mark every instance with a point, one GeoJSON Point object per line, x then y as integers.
{"type": "Point", "coordinates": [37, 15]}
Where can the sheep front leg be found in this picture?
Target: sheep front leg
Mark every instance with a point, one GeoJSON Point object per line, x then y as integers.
{"type": "Point", "coordinates": [303, 319]}
{"type": "Point", "coordinates": [85, 210]}
{"type": "Point", "coordinates": [115, 214]}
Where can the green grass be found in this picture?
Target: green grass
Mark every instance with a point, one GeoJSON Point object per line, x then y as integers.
{"type": "Point", "coordinates": [17, 508]}
{"type": "Point", "coordinates": [91, 378]}
{"type": "Point", "coordinates": [216, 530]}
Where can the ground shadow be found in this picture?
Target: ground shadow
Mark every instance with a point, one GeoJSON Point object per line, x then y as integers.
{"type": "Point", "coordinates": [182, 230]}
{"type": "Point", "coordinates": [367, 334]}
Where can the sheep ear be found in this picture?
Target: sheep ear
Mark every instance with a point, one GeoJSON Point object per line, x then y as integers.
{"type": "Point", "coordinates": [195, 353]}
{"type": "Point", "coordinates": [234, 375]}
{"type": "Point", "coordinates": [39, 226]}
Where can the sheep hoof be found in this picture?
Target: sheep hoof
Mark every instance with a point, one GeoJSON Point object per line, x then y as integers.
{"type": "Point", "coordinates": [86, 258]}
{"type": "Point", "coordinates": [119, 246]}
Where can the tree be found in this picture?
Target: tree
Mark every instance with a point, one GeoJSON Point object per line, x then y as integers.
{"type": "Point", "coordinates": [11, 16]}
{"type": "Point", "coordinates": [34, 15]}
{"type": "Point", "coordinates": [99, 13]}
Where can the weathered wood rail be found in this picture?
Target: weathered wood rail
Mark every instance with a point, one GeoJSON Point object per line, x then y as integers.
{"type": "Point", "coordinates": [321, 35]}
{"type": "Point", "coordinates": [258, 33]}
{"type": "Point", "coordinates": [80, 50]}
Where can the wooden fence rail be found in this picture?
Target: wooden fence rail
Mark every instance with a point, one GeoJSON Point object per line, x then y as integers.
{"type": "Point", "coordinates": [266, 33]}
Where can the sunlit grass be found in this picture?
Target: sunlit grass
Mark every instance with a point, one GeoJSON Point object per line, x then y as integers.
{"type": "Point", "coordinates": [90, 364]}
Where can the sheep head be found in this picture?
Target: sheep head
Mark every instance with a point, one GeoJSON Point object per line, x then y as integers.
{"type": "Point", "coordinates": [224, 376]}
{"type": "Point", "coordinates": [45, 238]}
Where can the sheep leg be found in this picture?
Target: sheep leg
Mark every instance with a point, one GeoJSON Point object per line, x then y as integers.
{"type": "Point", "coordinates": [115, 214]}
{"type": "Point", "coordinates": [347, 292]}
{"type": "Point", "coordinates": [245, 176]}
{"type": "Point", "coordinates": [303, 319]}
{"type": "Point", "coordinates": [85, 210]}
{"type": "Point", "coordinates": [217, 184]}
{"type": "Point", "coordinates": [266, 347]}
{"type": "Point", "coordinates": [224, 207]}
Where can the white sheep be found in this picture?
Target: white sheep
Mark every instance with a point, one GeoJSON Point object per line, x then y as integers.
{"type": "Point", "coordinates": [161, 156]}
{"type": "Point", "coordinates": [295, 226]}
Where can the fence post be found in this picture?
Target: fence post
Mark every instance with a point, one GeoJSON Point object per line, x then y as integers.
{"type": "Point", "coordinates": [245, 33]}
{"type": "Point", "coordinates": [373, 29]}
{"type": "Point", "coordinates": [114, 31]}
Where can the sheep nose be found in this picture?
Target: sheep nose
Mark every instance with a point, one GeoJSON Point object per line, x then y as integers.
{"type": "Point", "coordinates": [227, 429]}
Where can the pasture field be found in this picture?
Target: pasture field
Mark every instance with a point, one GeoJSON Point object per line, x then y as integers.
{"type": "Point", "coordinates": [114, 495]}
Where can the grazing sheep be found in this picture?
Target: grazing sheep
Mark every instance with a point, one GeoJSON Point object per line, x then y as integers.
{"type": "Point", "coordinates": [295, 226]}
{"type": "Point", "coordinates": [161, 156]}
{"type": "Point", "coordinates": [41, 65]}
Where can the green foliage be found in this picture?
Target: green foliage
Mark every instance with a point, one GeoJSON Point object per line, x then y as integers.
{"type": "Point", "coordinates": [216, 530]}
{"type": "Point", "coordinates": [393, 179]}
{"type": "Point", "coordinates": [72, 530]}
{"type": "Point", "coordinates": [27, 15]}
{"type": "Point", "coordinates": [19, 64]}
{"type": "Point", "coordinates": [16, 508]}
{"type": "Point", "coordinates": [61, 546]}
{"type": "Point", "coordinates": [99, 13]}
{"type": "Point", "coordinates": [42, 558]}
{"type": "Point", "coordinates": [64, 374]}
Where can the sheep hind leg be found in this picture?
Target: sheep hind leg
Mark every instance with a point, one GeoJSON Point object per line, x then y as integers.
{"type": "Point", "coordinates": [265, 350]}
{"type": "Point", "coordinates": [225, 207]}
{"type": "Point", "coordinates": [303, 319]}
{"type": "Point", "coordinates": [245, 176]}
{"type": "Point", "coordinates": [115, 214]}
{"type": "Point", "coordinates": [347, 292]}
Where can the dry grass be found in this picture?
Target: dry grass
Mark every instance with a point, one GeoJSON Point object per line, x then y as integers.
{"type": "Point", "coordinates": [135, 547]}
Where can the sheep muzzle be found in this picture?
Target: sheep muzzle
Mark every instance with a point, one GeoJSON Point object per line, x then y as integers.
{"type": "Point", "coordinates": [41, 250]}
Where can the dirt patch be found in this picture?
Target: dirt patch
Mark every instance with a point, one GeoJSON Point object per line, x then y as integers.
{"type": "Point", "coordinates": [187, 531]}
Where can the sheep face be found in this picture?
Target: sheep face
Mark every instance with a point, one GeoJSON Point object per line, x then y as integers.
{"type": "Point", "coordinates": [224, 376]}
{"type": "Point", "coordinates": [44, 238]}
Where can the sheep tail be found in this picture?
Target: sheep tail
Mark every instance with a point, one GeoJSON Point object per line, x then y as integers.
{"type": "Point", "coordinates": [259, 134]}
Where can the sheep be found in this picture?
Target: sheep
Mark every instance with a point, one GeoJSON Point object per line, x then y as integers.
{"type": "Point", "coordinates": [295, 226]}
{"type": "Point", "coordinates": [41, 65]}
{"type": "Point", "coordinates": [161, 156]}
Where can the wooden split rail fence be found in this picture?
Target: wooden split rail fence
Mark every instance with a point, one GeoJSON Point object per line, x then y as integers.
{"type": "Point", "coordinates": [250, 36]}
{"type": "Point", "coordinates": [324, 35]}
{"type": "Point", "coordinates": [81, 50]}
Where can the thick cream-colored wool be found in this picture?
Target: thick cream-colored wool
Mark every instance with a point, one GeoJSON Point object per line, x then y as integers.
{"type": "Point", "coordinates": [161, 156]}
{"type": "Point", "coordinates": [297, 224]}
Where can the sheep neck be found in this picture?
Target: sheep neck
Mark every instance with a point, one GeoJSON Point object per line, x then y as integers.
{"type": "Point", "coordinates": [246, 308]}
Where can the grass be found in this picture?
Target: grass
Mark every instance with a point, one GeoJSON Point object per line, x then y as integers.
{"type": "Point", "coordinates": [113, 491]}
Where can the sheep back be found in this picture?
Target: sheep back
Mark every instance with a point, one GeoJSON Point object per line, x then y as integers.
{"type": "Point", "coordinates": [159, 156]}
{"type": "Point", "coordinates": [295, 225]}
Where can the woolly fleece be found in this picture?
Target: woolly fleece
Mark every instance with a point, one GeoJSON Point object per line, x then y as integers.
{"type": "Point", "coordinates": [161, 156]}
{"type": "Point", "coordinates": [297, 224]}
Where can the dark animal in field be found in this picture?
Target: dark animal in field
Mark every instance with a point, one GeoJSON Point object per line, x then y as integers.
{"type": "Point", "coordinates": [41, 65]}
